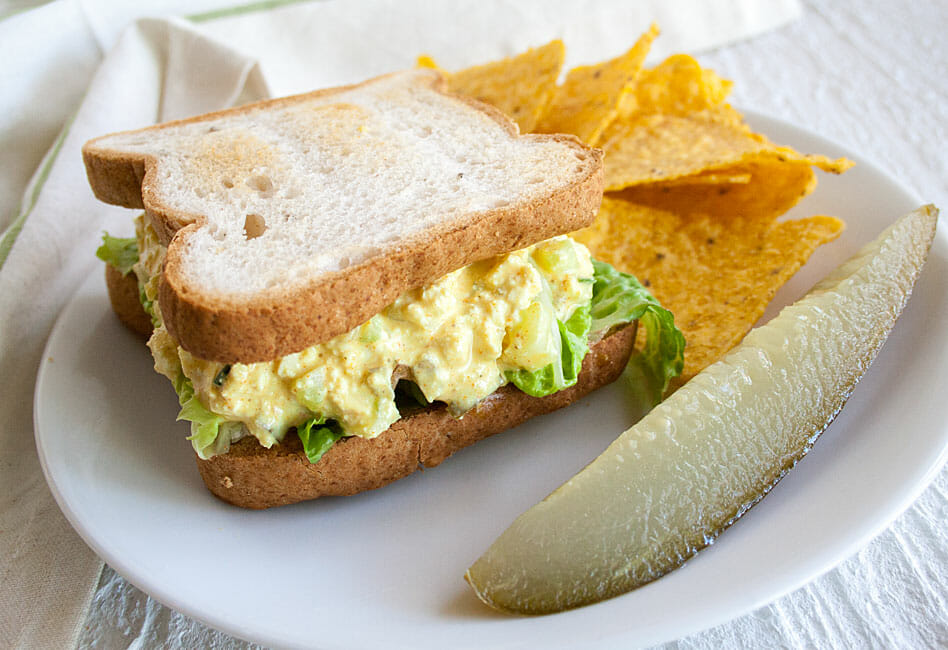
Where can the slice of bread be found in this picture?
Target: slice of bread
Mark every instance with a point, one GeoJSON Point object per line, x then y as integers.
{"type": "Point", "coordinates": [252, 476]}
{"type": "Point", "coordinates": [293, 220]}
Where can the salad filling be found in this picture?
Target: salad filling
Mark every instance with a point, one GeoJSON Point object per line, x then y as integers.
{"type": "Point", "coordinates": [527, 318]}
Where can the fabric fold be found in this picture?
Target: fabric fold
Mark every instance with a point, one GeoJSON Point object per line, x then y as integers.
{"type": "Point", "coordinates": [43, 558]}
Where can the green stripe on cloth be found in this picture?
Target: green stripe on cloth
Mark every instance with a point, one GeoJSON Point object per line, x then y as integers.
{"type": "Point", "coordinates": [263, 5]}
{"type": "Point", "coordinates": [13, 230]}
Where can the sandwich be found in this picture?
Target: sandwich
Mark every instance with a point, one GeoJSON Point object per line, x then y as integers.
{"type": "Point", "coordinates": [346, 285]}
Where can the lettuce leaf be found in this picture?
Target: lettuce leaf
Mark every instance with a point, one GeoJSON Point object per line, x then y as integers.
{"type": "Point", "coordinates": [148, 306]}
{"type": "Point", "coordinates": [317, 439]}
{"type": "Point", "coordinates": [120, 252]}
{"type": "Point", "coordinates": [209, 434]}
{"type": "Point", "coordinates": [620, 298]}
{"type": "Point", "coordinates": [562, 373]}
{"type": "Point", "coordinates": [409, 396]}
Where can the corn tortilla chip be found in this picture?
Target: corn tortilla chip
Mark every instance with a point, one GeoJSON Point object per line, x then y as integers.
{"type": "Point", "coordinates": [678, 86]}
{"type": "Point", "coordinates": [521, 86]}
{"type": "Point", "coordinates": [659, 147]}
{"type": "Point", "coordinates": [775, 185]}
{"type": "Point", "coordinates": [715, 273]}
{"type": "Point", "coordinates": [721, 177]}
{"type": "Point", "coordinates": [425, 61]}
{"type": "Point", "coordinates": [590, 97]}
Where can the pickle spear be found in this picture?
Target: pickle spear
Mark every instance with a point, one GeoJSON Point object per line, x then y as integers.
{"type": "Point", "coordinates": [668, 486]}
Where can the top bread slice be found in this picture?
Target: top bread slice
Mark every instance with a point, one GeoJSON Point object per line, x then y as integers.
{"type": "Point", "coordinates": [293, 220]}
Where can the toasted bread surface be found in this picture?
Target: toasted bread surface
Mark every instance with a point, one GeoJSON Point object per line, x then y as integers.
{"type": "Point", "coordinates": [291, 221]}
{"type": "Point", "coordinates": [251, 476]}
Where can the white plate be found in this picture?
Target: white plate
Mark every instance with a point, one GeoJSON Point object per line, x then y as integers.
{"type": "Point", "coordinates": [384, 568]}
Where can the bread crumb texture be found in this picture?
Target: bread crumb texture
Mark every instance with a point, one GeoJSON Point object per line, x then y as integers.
{"type": "Point", "coordinates": [313, 184]}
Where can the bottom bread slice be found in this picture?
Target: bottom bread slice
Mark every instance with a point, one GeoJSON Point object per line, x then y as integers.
{"type": "Point", "coordinates": [123, 294]}
{"type": "Point", "coordinates": [252, 476]}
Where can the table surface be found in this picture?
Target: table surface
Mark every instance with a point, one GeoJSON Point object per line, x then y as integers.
{"type": "Point", "coordinates": [872, 76]}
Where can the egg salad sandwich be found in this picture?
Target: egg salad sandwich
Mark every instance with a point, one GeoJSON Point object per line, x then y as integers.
{"type": "Point", "coordinates": [347, 285]}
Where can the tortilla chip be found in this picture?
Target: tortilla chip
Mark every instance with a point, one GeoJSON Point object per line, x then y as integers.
{"type": "Point", "coordinates": [521, 86]}
{"type": "Point", "coordinates": [825, 163]}
{"type": "Point", "coordinates": [716, 273]}
{"type": "Point", "coordinates": [722, 177]}
{"type": "Point", "coordinates": [775, 185]}
{"type": "Point", "coordinates": [679, 86]}
{"type": "Point", "coordinates": [660, 147]}
{"type": "Point", "coordinates": [425, 61]}
{"type": "Point", "coordinates": [590, 97]}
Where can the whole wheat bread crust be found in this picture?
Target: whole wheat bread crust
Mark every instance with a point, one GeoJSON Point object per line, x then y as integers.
{"type": "Point", "coordinates": [251, 476]}
{"type": "Point", "coordinates": [281, 322]}
{"type": "Point", "coordinates": [123, 294]}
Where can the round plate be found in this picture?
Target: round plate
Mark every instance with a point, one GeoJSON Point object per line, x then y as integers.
{"type": "Point", "coordinates": [385, 567]}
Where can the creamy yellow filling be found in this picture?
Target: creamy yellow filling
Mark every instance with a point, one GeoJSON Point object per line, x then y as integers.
{"type": "Point", "coordinates": [454, 338]}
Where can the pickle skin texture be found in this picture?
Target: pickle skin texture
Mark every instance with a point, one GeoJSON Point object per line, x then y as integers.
{"type": "Point", "coordinates": [668, 486]}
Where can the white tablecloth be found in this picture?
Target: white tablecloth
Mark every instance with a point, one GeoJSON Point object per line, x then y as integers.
{"type": "Point", "coordinates": [870, 75]}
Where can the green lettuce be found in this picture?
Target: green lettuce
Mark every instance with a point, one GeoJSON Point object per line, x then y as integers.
{"type": "Point", "coordinates": [148, 306]}
{"type": "Point", "coordinates": [409, 396]}
{"type": "Point", "coordinates": [317, 437]}
{"type": "Point", "coordinates": [620, 298]}
{"type": "Point", "coordinates": [120, 252]}
{"type": "Point", "coordinates": [207, 436]}
{"type": "Point", "coordinates": [563, 372]}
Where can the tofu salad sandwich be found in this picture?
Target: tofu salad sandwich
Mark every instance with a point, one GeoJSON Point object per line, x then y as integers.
{"type": "Point", "coordinates": [345, 285]}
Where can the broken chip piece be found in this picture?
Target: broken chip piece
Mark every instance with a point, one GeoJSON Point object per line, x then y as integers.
{"type": "Point", "coordinates": [521, 86]}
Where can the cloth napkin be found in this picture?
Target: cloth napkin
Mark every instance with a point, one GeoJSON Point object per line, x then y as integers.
{"type": "Point", "coordinates": [81, 69]}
